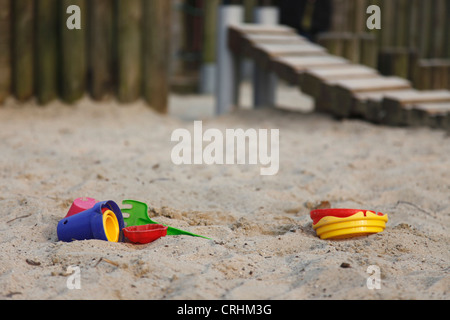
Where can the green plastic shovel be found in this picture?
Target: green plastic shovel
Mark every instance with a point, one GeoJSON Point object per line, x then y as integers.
{"type": "Point", "coordinates": [138, 216]}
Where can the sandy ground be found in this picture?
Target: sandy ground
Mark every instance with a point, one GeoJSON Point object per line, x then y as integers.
{"type": "Point", "coordinates": [263, 243]}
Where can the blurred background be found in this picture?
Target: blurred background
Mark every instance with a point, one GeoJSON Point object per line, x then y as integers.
{"type": "Point", "coordinates": [146, 49]}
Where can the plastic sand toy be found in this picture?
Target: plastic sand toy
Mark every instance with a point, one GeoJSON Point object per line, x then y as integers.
{"type": "Point", "coordinates": [137, 215]}
{"type": "Point", "coordinates": [337, 224]}
{"type": "Point", "coordinates": [145, 234]}
{"type": "Point", "coordinates": [80, 205]}
{"type": "Point", "coordinates": [104, 221]}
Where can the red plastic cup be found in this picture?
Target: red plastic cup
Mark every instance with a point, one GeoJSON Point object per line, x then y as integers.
{"type": "Point", "coordinates": [145, 234]}
{"type": "Point", "coordinates": [80, 205]}
{"type": "Point", "coordinates": [318, 214]}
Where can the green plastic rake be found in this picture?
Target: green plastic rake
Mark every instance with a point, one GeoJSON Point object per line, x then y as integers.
{"type": "Point", "coordinates": [138, 216]}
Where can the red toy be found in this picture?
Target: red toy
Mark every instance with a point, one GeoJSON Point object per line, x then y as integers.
{"type": "Point", "coordinates": [80, 205]}
{"type": "Point", "coordinates": [146, 233]}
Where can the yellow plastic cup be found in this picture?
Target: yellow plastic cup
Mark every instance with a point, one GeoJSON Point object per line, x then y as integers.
{"type": "Point", "coordinates": [111, 226]}
{"type": "Point", "coordinates": [359, 224]}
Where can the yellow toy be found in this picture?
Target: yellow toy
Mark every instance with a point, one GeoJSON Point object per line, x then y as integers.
{"type": "Point", "coordinates": [335, 224]}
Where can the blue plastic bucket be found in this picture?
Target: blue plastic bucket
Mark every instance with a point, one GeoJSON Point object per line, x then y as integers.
{"type": "Point", "coordinates": [102, 222]}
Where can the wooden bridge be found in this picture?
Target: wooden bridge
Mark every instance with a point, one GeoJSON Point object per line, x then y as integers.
{"type": "Point", "coordinates": [339, 87]}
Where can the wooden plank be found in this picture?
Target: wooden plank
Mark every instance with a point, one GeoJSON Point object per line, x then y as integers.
{"type": "Point", "coordinates": [375, 84]}
{"type": "Point", "coordinates": [397, 107]}
{"type": "Point", "coordinates": [278, 50]}
{"type": "Point", "coordinates": [46, 75]}
{"type": "Point", "coordinates": [244, 44]}
{"type": "Point", "coordinates": [433, 115]}
{"type": "Point", "coordinates": [5, 53]}
{"type": "Point", "coordinates": [101, 48]}
{"type": "Point", "coordinates": [343, 91]}
{"type": "Point", "coordinates": [244, 36]}
{"type": "Point", "coordinates": [368, 105]}
{"type": "Point", "coordinates": [263, 54]}
{"type": "Point", "coordinates": [289, 68]}
{"type": "Point", "coordinates": [275, 39]}
{"type": "Point", "coordinates": [249, 28]}
{"type": "Point", "coordinates": [73, 54]}
{"type": "Point", "coordinates": [312, 79]}
{"type": "Point", "coordinates": [156, 53]}
{"type": "Point", "coordinates": [420, 97]}
{"type": "Point", "coordinates": [129, 47]}
{"type": "Point", "coordinates": [23, 49]}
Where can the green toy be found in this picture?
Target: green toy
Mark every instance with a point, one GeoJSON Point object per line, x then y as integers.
{"type": "Point", "coordinates": [138, 216]}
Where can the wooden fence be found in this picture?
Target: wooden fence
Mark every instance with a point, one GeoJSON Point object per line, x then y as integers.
{"type": "Point", "coordinates": [121, 50]}
{"type": "Point", "coordinates": [413, 42]}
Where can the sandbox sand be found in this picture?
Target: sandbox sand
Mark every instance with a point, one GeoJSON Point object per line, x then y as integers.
{"type": "Point", "coordinates": [263, 245]}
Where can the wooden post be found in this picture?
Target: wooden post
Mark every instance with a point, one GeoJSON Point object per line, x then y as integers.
{"type": "Point", "coordinates": [5, 52]}
{"type": "Point", "coordinates": [402, 15]}
{"type": "Point", "coordinates": [351, 47]}
{"type": "Point", "coordinates": [440, 73]}
{"type": "Point", "coordinates": [447, 35]}
{"type": "Point", "coordinates": [23, 49]}
{"type": "Point", "coordinates": [387, 23]}
{"type": "Point", "coordinates": [427, 29]}
{"type": "Point", "coordinates": [156, 53]}
{"type": "Point", "coordinates": [332, 41]}
{"type": "Point", "coordinates": [415, 25]}
{"type": "Point", "coordinates": [368, 50]}
{"type": "Point", "coordinates": [73, 73]}
{"type": "Point", "coordinates": [46, 81]}
{"type": "Point", "coordinates": [360, 16]}
{"type": "Point", "coordinates": [101, 49]}
{"type": "Point", "coordinates": [338, 18]}
{"type": "Point", "coordinates": [424, 75]}
{"type": "Point", "coordinates": [438, 32]}
{"type": "Point", "coordinates": [129, 75]}
{"type": "Point", "coordinates": [395, 61]}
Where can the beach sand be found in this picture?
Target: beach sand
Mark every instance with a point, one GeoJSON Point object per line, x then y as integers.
{"type": "Point", "coordinates": [263, 245]}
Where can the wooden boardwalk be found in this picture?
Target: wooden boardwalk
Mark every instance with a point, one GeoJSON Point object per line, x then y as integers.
{"type": "Point", "coordinates": [340, 87]}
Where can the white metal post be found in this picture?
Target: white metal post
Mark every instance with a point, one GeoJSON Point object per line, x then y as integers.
{"type": "Point", "coordinates": [226, 61]}
{"type": "Point", "coordinates": [264, 81]}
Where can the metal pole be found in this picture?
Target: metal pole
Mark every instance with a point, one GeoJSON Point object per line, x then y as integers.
{"type": "Point", "coordinates": [226, 61]}
{"type": "Point", "coordinates": [264, 81]}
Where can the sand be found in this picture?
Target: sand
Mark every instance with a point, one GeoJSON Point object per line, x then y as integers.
{"type": "Point", "coordinates": [263, 245]}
